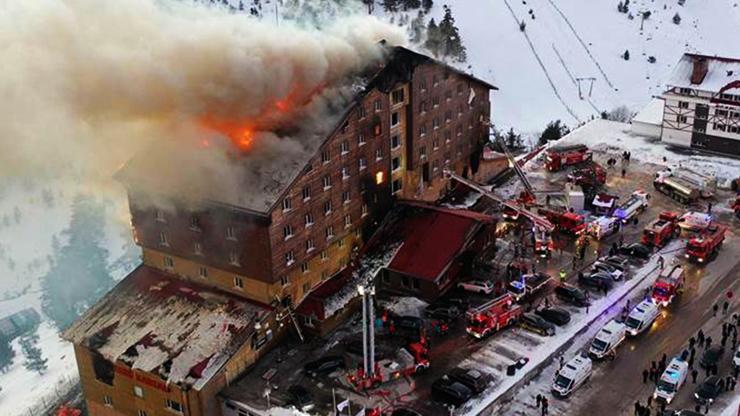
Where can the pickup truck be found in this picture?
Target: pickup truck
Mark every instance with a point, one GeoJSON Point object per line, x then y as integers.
{"type": "Point", "coordinates": [528, 285]}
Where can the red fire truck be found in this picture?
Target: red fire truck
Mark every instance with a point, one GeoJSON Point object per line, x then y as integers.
{"type": "Point", "coordinates": [668, 286]}
{"type": "Point", "coordinates": [406, 362]}
{"type": "Point", "coordinates": [493, 315]}
{"type": "Point", "coordinates": [662, 230]}
{"type": "Point", "coordinates": [558, 157]}
{"type": "Point", "coordinates": [564, 221]}
{"type": "Point", "coordinates": [591, 176]}
{"type": "Point", "coordinates": [706, 246]}
{"type": "Point", "coordinates": [735, 205]}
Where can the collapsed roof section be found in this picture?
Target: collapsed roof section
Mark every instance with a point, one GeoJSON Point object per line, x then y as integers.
{"type": "Point", "coordinates": [156, 323]}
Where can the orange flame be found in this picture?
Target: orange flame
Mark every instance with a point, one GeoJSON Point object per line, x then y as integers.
{"type": "Point", "coordinates": [240, 134]}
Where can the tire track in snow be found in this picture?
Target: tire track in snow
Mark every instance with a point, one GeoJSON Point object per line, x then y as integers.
{"type": "Point", "coordinates": [588, 51]}
{"type": "Point", "coordinates": [542, 65]}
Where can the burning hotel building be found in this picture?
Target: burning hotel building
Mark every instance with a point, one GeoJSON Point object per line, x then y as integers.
{"type": "Point", "coordinates": [220, 279]}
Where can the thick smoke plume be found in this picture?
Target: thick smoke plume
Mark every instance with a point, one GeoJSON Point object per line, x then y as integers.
{"type": "Point", "coordinates": [85, 84]}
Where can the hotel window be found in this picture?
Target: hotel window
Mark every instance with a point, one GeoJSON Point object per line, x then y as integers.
{"type": "Point", "coordinates": [681, 119]}
{"type": "Point", "coordinates": [329, 232]}
{"type": "Point", "coordinates": [168, 262]}
{"type": "Point", "coordinates": [447, 158]}
{"type": "Point", "coordinates": [378, 154]}
{"type": "Point", "coordinates": [173, 406]}
{"type": "Point", "coordinates": [324, 255]}
{"type": "Point", "coordinates": [459, 110]}
{"type": "Point", "coordinates": [685, 91]}
{"type": "Point", "coordinates": [231, 233]}
{"type": "Point", "coordinates": [458, 130]}
{"type": "Point", "coordinates": [340, 243]}
{"type": "Point", "coordinates": [377, 130]}
{"type": "Point", "coordinates": [683, 104]}
{"type": "Point", "coordinates": [459, 89]}
{"type": "Point", "coordinates": [358, 232]}
{"type": "Point", "coordinates": [238, 282]}
{"type": "Point", "coordinates": [287, 205]}
{"type": "Point", "coordinates": [435, 165]}
{"type": "Point", "coordinates": [347, 221]}
{"type": "Point", "coordinates": [310, 245]}
{"type": "Point", "coordinates": [326, 182]}
{"type": "Point", "coordinates": [344, 147]}
{"type": "Point", "coordinates": [363, 163]}
{"type": "Point", "coordinates": [396, 186]}
{"type": "Point", "coordinates": [287, 231]}
{"type": "Point", "coordinates": [435, 101]}
{"type": "Point", "coordinates": [448, 116]}
{"type": "Point", "coordinates": [395, 164]}
{"type": "Point", "coordinates": [459, 148]}
{"type": "Point", "coordinates": [423, 129]}
{"type": "Point", "coordinates": [194, 222]}
{"type": "Point", "coordinates": [364, 210]}
{"type": "Point", "coordinates": [423, 85]}
{"type": "Point", "coordinates": [423, 107]}
{"type": "Point", "coordinates": [395, 119]}
{"type": "Point", "coordinates": [397, 96]}
{"type": "Point", "coordinates": [448, 136]}
{"type": "Point", "coordinates": [198, 248]}
{"type": "Point", "coordinates": [325, 156]}
{"type": "Point", "coordinates": [422, 152]}
{"type": "Point", "coordinates": [345, 197]}
{"type": "Point", "coordinates": [203, 271]}
{"type": "Point", "coordinates": [435, 122]}
{"type": "Point", "coordinates": [306, 286]}
{"type": "Point", "coordinates": [304, 268]}
{"type": "Point", "coordinates": [327, 207]}
{"type": "Point", "coordinates": [306, 193]}
{"type": "Point", "coordinates": [159, 216]}
{"type": "Point", "coordinates": [108, 401]}
{"type": "Point", "coordinates": [284, 280]}
{"type": "Point", "coordinates": [345, 173]}
{"type": "Point", "coordinates": [435, 143]}
{"type": "Point", "coordinates": [361, 139]}
{"type": "Point", "coordinates": [395, 142]}
{"type": "Point", "coordinates": [361, 112]}
{"type": "Point", "coordinates": [233, 258]}
{"type": "Point", "coordinates": [324, 275]}
{"type": "Point", "coordinates": [163, 239]}
{"type": "Point", "coordinates": [141, 413]}
{"type": "Point", "coordinates": [435, 80]}
{"type": "Point", "coordinates": [289, 258]}
{"type": "Point", "coordinates": [376, 105]}
{"type": "Point", "coordinates": [448, 95]}
{"type": "Point", "coordinates": [308, 219]}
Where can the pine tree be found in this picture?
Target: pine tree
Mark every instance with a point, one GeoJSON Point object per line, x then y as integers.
{"type": "Point", "coordinates": [6, 354]}
{"type": "Point", "coordinates": [79, 273]}
{"type": "Point", "coordinates": [411, 4]}
{"type": "Point", "coordinates": [417, 27]}
{"type": "Point", "coordinates": [370, 5]}
{"type": "Point", "coordinates": [677, 18]}
{"type": "Point", "coordinates": [626, 55]}
{"type": "Point", "coordinates": [433, 42]}
{"type": "Point", "coordinates": [427, 5]}
{"type": "Point", "coordinates": [390, 6]}
{"type": "Point", "coordinates": [513, 140]}
{"type": "Point", "coordinates": [553, 131]}
{"type": "Point", "coordinates": [451, 42]}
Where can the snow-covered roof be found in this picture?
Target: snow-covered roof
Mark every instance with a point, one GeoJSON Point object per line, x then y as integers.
{"type": "Point", "coordinates": [652, 113]}
{"type": "Point", "coordinates": [720, 72]}
{"type": "Point", "coordinates": [163, 325]}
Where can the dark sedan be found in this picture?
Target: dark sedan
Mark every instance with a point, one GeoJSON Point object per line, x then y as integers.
{"type": "Point", "coordinates": [708, 390]}
{"type": "Point", "coordinates": [558, 316]}
{"type": "Point", "coordinates": [445, 312]}
{"type": "Point", "coordinates": [597, 280]}
{"type": "Point", "coordinates": [636, 250]}
{"type": "Point", "coordinates": [477, 381]}
{"type": "Point", "coordinates": [572, 295]}
{"type": "Point", "coordinates": [448, 391]}
{"type": "Point", "coordinates": [536, 323]}
{"type": "Point", "coordinates": [711, 356]}
{"type": "Point", "coordinates": [324, 365]}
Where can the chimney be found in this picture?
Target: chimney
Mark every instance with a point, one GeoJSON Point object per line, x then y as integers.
{"type": "Point", "coordinates": [701, 66]}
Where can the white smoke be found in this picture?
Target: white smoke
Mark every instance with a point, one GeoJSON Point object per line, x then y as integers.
{"type": "Point", "coordinates": [87, 83]}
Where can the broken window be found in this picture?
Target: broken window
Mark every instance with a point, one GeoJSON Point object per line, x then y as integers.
{"type": "Point", "coordinates": [194, 222]}
{"type": "Point", "coordinates": [397, 185]}
{"type": "Point", "coordinates": [395, 164]}
{"type": "Point", "coordinates": [395, 119]}
{"type": "Point", "coordinates": [173, 406]}
{"type": "Point", "coordinates": [377, 106]}
{"type": "Point", "coordinates": [397, 96]}
{"type": "Point", "coordinates": [395, 142]}
{"type": "Point", "coordinates": [103, 369]}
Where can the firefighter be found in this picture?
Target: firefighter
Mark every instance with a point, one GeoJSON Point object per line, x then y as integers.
{"type": "Point", "coordinates": [563, 275]}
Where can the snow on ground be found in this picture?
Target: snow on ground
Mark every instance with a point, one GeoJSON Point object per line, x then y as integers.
{"type": "Point", "coordinates": [515, 343]}
{"type": "Point", "coordinates": [615, 137]}
{"type": "Point", "coordinates": [733, 409]}
{"type": "Point", "coordinates": [22, 389]}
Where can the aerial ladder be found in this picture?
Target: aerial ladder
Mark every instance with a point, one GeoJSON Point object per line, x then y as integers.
{"type": "Point", "coordinates": [527, 197]}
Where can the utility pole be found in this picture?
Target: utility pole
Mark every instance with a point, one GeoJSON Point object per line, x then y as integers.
{"type": "Point", "coordinates": [590, 87]}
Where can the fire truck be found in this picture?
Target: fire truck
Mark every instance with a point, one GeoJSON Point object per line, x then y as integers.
{"type": "Point", "coordinates": [705, 184]}
{"type": "Point", "coordinates": [735, 205]}
{"type": "Point", "coordinates": [636, 203]}
{"type": "Point", "coordinates": [412, 359]}
{"type": "Point", "coordinates": [667, 286]}
{"type": "Point", "coordinates": [557, 157]}
{"type": "Point", "coordinates": [564, 221]}
{"type": "Point", "coordinates": [676, 188]}
{"type": "Point", "coordinates": [493, 315]}
{"type": "Point", "coordinates": [662, 230]}
{"type": "Point", "coordinates": [591, 176]}
{"type": "Point", "coordinates": [706, 246]}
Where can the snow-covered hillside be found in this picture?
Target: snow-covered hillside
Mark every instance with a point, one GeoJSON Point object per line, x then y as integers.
{"type": "Point", "coordinates": [580, 38]}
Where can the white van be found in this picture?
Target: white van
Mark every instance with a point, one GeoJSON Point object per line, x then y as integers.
{"type": "Point", "coordinates": [571, 376]}
{"type": "Point", "coordinates": [607, 340]}
{"type": "Point", "coordinates": [602, 226]}
{"type": "Point", "coordinates": [672, 379]}
{"type": "Point", "coordinates": [641, 317]}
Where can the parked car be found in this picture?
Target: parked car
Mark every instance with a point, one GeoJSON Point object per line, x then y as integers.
{"type": "Point", "coordinates": [619, 262]}
{"type": "Point", "coordinates": [477, 286]}
{"type": "Point", "coordinates": [711, 356]}
{"type": "Point", "coordinates": [637, 251]}
{"type": "Point", "coordinates": [597, 280]}
{"type": "Point", "coordinates": [446, 312]}
{"type": "Point", "coordinates": [404, 412]}
{"type": "Point", "coordinates": [536, 323]}
{"type": "Point", "coordinates": [615, 273]}
{"type": "Point", "coordinates": [708, 390]}
{"type": "Point", "coordinates": [449, 391]}
{"type": "Point", "coordinates": [477, 381]}
{"type": "Point", "coordinates": [558, 316]}
{"type": "Point", "coordinates": [461, 302]}
{"type": "Point", "coordinates": [324, 365]}
{"type": "Point", "coordinates": [572, 295]}
{"type": "Point", "coordinates": [300, 398]}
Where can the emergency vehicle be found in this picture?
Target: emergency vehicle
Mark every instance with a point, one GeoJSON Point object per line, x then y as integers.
{"type": "Point", "coordinates": [667, 286]}
{"type": "Point", "coordinates": [705, 184]}
{"type": "Point", "coordinates": [407, 362]}
{"type": "Point", "coordinates": [564, 221]}
{"type": "Point", "coordinates": [676, 188]}
{"type": "Point", "coordinates": [706, 246]}
{"type": "Point", "coordinates": [695, 221]}
{"type": "Point", "coordinates": [636, 203]}
{"type": "Point", "coordinates": [557, 157]}
{"type": "Point", "coordinates": [574, 373]}
{"type": "Point", "coordinates": [591, 176]}
{"type": "Point", "coordinates": [606, 341]}
{"type": "Point", "coordinates": [493, 315]}
{"type": "Point", "coordinates": [671, 380]}
{"type": "Point", "coordinates": [528, 285]}
{"type": "Point", "coordinates": [603, 226]}
{"type": "Point", "coordinates": [662, 230]}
